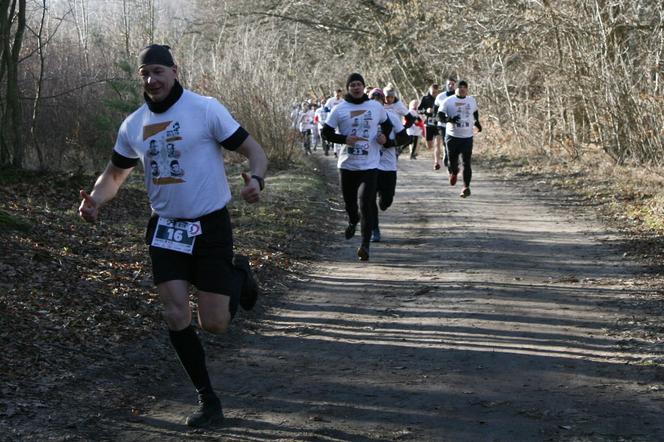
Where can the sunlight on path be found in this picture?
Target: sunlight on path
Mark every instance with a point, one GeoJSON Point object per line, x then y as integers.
{"type": "Point", "coordinates": [481, 316]}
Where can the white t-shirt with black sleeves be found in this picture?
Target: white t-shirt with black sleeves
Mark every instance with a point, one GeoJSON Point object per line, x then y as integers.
{"type": "Point", "coordinates": [361, 120]}
{"type": "Point", "coordinates": [388, 155]}
{"type": "Point", "coordinates": [438, 103]}
{"type": "Point", "coordinates": [180, 150]}
{"type": "Point", "coordinates": [464, 108]}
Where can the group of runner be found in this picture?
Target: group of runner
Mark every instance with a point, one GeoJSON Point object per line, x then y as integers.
{"type": "Point", "coordinates": [369, 127]}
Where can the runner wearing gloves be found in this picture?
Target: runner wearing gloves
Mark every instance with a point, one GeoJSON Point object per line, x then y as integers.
{"type": "Point", "coordinates": [460, 114]}
{"type": "Point", "coordinates": [361, 124]}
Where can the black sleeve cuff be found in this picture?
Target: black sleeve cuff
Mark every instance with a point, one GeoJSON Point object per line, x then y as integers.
{"type": "Point", "coordinates": [235, 140]}
{"type": "Point", "coordinates": [386, 127]}
{"type": "Point", "coordinates": [123, 162]}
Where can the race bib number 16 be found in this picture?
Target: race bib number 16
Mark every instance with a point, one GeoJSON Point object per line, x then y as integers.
{"type": "Point", "coordinates": [176, 235]}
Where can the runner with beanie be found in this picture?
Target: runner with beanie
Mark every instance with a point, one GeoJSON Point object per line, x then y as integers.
{"type": "Point", "coordinates": [361, 124]}
{"type": "Point", "coordinates": [177, 135]}
{"type": "Point", "coordinates": [460, 114]}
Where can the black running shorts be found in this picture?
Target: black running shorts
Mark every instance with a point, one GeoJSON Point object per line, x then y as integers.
{"type": "Point", "coordinates": [210, 266]}
{"type": "Point", "coordinates": [431, 132]}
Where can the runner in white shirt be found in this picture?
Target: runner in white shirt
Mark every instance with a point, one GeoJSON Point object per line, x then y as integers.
{"type": "Point", "coordinates": [392, 103]}
{"type": "Point", "coordinates": [460, 113]}
{"type": "Point", "coordinates": [334, 100]}
{"type": "Point", "coordinates": [416, 130]}
{"type": "Point", "coordinates": [450, 86]}
{"type": "Point", "coordinates": [320, 116]}
{"type": "Point", "coordinates": [177, 135]}
{"type": "Point", "coordinates": [306, 125]}
{"type": "Point", "coordinates": [432, 135]}
{"type": "Point", "coordinates": [387, 167]}
{"type": "Point", "coordinates": [397, 107]}
{"type": "Point", "coordinates": [330, 104]}
{"type": "Point", "coordinates": [358, 120]}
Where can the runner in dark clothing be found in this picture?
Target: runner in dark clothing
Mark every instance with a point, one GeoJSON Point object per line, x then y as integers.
{"type": "Point", "coordinates": [426, 108]}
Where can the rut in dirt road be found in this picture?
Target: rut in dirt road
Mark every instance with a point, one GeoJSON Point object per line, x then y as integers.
{"type": "Point", "coordinates": [478, 319]}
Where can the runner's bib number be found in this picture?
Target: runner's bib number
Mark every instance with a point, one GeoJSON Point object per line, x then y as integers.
{"type": "Point", "coordinates": [358, 149]}
{"type": "Point", "coordinates": [176, 235]}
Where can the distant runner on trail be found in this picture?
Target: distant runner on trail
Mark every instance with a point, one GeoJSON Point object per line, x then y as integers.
{"type": "Point", "coordinates": [330, 104]}
{"type": "Point", "coordinates": [386, 181]}
{"type": "Point", "coordinates": [425, 107]}
{"type": "Point", "coordinates": [450, 86]}
{"type": "Point", "coordinates": [306, 126]}
{"type": "Point", "coordinates": [416, 130]}
{"type": "Point", "coordinates": [398, 108]}
{"type": "Point", "coordinates": [189, 233]}
{"type": "Point", "coordinates": [320, 116]}
{"type": "Point", "coordinates": [362, 124]}
{"type": "Point", "coordinates": [460, 113]}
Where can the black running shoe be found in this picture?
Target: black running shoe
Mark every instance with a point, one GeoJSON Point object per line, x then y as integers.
{"type": "Point", "coordinates": [363, 253]}
{"type": "Point", "coordinates": [249, 291]}
{"type": "Point", "coordinates": [209, 413]}
{"type": "Point", "coordinates": [350, 230]}
{"type": "Point", "coordinates": [375, 235]}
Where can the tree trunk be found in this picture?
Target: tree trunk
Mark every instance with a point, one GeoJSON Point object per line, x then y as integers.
{"type": "Point", "coordinates": [11, 112]}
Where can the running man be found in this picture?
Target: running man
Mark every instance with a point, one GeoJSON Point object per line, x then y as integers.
{"type": "Point", "coordinates": [450, 86]}
{"type": "Point", "coordinates": [189, 233]}
{"type": "Point", "coordinates": [431, 130]}
{"type": "Point", "coordinates": [460, 113]}
{"type": "Point", "coordinates": [319, 120]}
{"type": "Point", "coordinates": [416, 130]}
{"type": "Point", "coordinates": [306, 125]}
{"type": "Point", "coordinates": [361, 124]}
{"type": "Point", "coordinates": [330, 104]}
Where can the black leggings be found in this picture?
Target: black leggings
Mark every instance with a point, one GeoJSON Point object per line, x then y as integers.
{"type": "Point", "coordinates": [387, 184]}
{"type": "Point", "coordinates": [360, 185]}
{"type": "Point", "coordinates": [463, 147]}
{"type": "Point", "coordinates": [413, 145]}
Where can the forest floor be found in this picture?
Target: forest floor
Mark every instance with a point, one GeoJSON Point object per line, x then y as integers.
{"type": "Point", "coordinates": [530, 311]}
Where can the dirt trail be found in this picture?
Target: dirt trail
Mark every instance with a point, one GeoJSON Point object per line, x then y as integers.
{"type": "Point", "coordinates": [479, 319]}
